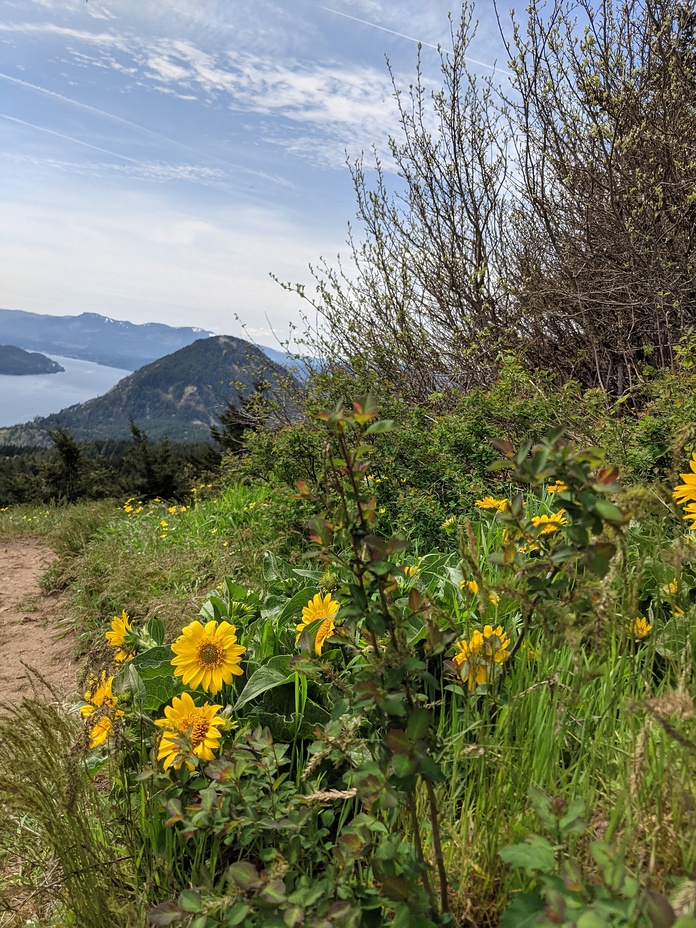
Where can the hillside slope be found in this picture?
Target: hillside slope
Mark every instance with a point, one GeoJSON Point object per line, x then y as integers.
{"type": "Point", "coordinates": [179, 396]}
{"type": "Point", "coordinates": [16, 362]}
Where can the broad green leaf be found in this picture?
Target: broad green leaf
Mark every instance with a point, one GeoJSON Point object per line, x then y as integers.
{"type": "Point", "coordinates": [590, 919]}
{"type": "Point", "coordinates": [190, 901]}
{"type": "Point", "coordinates": [382, 425]}
{"type": "Point", "coordinates": [155, 629]}
{"type": "Point", "coordinates": [244, 875]}
{"type": "Point", "coordinates": [274, 673]}
{"type": "Point", "coordinates": [155, 657]}
{"type": "Point", "coordinates": [535, 854]}
{"type": "Point", "coordinates": [164, 914]}
{"type": "Point", "coordinates": [524, 911]}
{"type": "Point", "coordinates": [609, 512]}
{"type": "Point", "coordinates": [294, 607]}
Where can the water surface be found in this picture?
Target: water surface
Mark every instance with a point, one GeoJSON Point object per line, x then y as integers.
{"type": "Point", "coordinates": [24, 397]}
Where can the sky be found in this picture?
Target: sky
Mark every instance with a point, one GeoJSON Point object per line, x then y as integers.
{"type": "Point", "coordinates": [160, 159]}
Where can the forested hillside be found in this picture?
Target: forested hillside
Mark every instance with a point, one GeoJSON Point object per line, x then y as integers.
{"type": "Point", "coordinates": [179, 396]}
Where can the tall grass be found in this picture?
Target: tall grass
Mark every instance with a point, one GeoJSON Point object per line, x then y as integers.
{"type": "Point", "coordinates": [48, 794]}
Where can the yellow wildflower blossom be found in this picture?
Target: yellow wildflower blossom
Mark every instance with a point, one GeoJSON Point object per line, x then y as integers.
{"type": "Point", "coordinates": [189, 731]}
{"type": "Point", "coordinates": [686, 492]}
{"type": "Point", "coordinates": [120, 627]}
{"type": "Point", "coordinates": [489, 502]}
{"type": "Point", "coordinates": [319, 607]}
{"type": "Point", "coordinates": [101, 703]}
{"type": "Point", "coordinates": [478, 656]}
{"type": "Point", "coordinates": [207, 655]}
{"type": "Point", "coordinates": [550, 523]}
{"type": "Point", "coordinates": [639, 628]}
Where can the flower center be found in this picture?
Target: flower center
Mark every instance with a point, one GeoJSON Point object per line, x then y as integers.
{"type": "Point", "coordinates": [211, 654]}
{"type": "Point", "coordinates": [196, 726]}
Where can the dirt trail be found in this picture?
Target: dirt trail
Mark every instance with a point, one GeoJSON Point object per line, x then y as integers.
{"type": "Point", "coordinates": [29, 625]}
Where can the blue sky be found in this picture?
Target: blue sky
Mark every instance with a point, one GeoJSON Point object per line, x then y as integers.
{"type": "Point", "coordinates": [158, 158]}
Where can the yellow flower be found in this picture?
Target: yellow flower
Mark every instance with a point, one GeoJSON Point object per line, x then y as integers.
{"type": "Point", "coordinates": [489, 502]}
{"type": "Point", "coordinates": [470, 585]}
{"type": "Point", "coordinates": [319, 608]}
{"type": "Point", "coordinates": [550, 523]}
{"type": "Point", "coordinates": [640, 628]}
{"type": "Point", "coordinates": [448, 523]}
{"type": "Point", "coordinates": [120, 627]}
{"type": "Point", "coordinates": [189, 731]}
{"type": "Point", "coordinates": [690, 515]}
{"type": "Point", "coordinates": [669, 589]}
{"type": "Point", "coordinates": [686, 492]}
{"type": "Point", "coordinates": [410, 570]}
{"type": "Point", "coordinates": [478, 656]}
{"type": "Point", "coordinates": [677, 611]}
{"type": "Point", "coordinates": [494, 599]}
{"type": "Point", "coordinates": [100, 701]}
{"type": "Point", "coordinates": [207, 655]}
{"type": "Point", "coordinates": [557, 487]}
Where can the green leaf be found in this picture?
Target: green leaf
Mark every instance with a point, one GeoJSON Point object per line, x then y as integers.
{"type": "Point", "coordinates": [237, 914]}
{"type": "Point", "coordinates": [190, 901]}
{"type": "Point", "coordinates": [295, 605]}
{"type": "Point", "coordinates": [244, 875]}
{"type": "Point", "coordinates": [274, 673]}
{"type": "Point", "coordinates": [419, 722]}
{"type": "Point", "coordinates": [293, 915]}
{"type": "Point", "coordinates": [535, 854]}
{"type": "Point", "coordinates": [155, 629]}
{"type": "Point", "coordinates": [155, 657]}
{"type": "Point", "coordinates": [609, 512]}
{"type": "Point", "coordinates": [164, 914]}
{"type": "Point", "coordinates": [598, 557]}
{"type": "Point", "coordinates": [150, 677]}
{"type": "Point", "coordinates": [590, 919]}
{"type": "Point", "coordinates": [396, 888]}
{"type": "Point", "coordinates": [270, 568]}
{"type": "Point", "coordinates": [572, 821]}
{"type": "Point", "coordinates": [524, 911]}
{"type": "Point", "coordinates": [382, 425]}
{"type": "Point", "coordinates": [273, 893]}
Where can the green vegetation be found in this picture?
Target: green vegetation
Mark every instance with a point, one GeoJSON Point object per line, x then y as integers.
{"type": "Point", "coordinates": [16, 361]}
{"type": "Point", "coordinates": [493, 726]}
{"type": "Point", "coordinates": [424, 656]}
{"type": "Point", "coordinates": [177, 396]}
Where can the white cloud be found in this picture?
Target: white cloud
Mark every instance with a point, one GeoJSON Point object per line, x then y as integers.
{"type": "Point", "coordinates": [136, 258]}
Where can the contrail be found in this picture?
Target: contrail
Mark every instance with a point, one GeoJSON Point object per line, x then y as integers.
{"type": "Point", "coordinates": [69, 138]}
{"type": "Point", "coordinates": [91, 109]}
{"type": "Point", "coordinates": [410, 38]}
{"type": "Point", "coordinates": [131, 125]}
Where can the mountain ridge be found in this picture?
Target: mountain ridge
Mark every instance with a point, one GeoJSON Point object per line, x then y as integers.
{"type": "Point", "coordinates": [97, 338]}
{"type": "Point", "coordinates": [179, 396]}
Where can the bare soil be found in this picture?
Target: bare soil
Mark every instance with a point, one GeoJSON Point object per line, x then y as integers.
{"type": "Point", "coordinates": [31, 635]}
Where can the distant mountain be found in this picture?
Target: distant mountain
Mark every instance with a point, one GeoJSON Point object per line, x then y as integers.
{"type": "Point", "coordinates": [300, 365]}
{"type": "Point", "coordinates": [180, 395]}
{"type": "Point", "coordinates": [16, 361]}
{"type": "Point", "coordinates": [92, 337]}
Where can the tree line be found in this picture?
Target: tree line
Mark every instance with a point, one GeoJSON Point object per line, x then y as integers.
{"type": "Point", "coordinates": [69, 470]}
